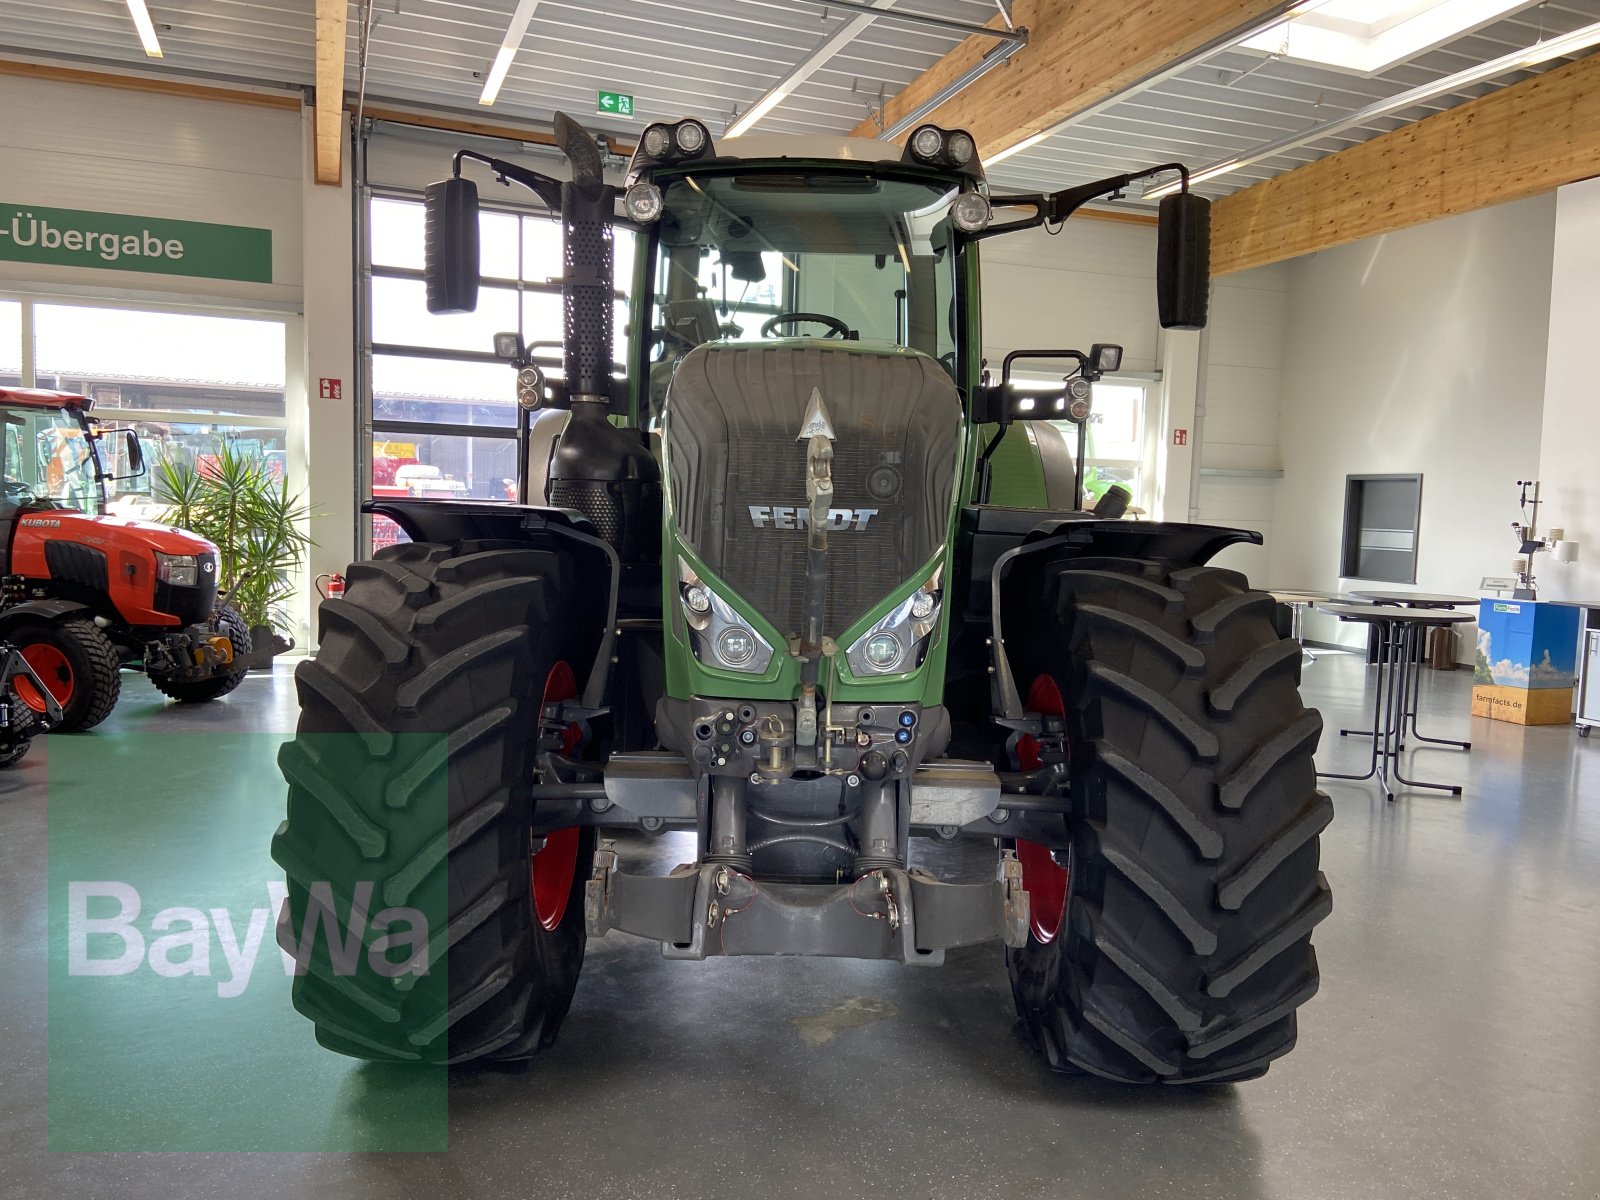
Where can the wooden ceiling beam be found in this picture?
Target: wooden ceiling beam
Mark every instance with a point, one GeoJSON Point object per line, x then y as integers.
{"type": "Point", "coordinates": [1079, 52]}
{"type": "Point", "coordinates": [1519, 141]}
{"type": "Point", "coordinates": [332, 31]}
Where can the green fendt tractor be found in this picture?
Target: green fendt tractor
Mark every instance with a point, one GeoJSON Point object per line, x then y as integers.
{"type": "Point", "coordinates": [817, 600]}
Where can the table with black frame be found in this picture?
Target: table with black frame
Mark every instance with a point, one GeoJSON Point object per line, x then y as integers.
{"type": "Point", "coordinates": [1422, 600]}
{"type": "Point", "coordinates": [1297, 600]}
{"type": "Point", "coordinates": [1399, 629]}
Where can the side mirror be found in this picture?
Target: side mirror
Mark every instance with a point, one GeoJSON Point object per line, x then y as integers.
{"type": "Point", "coordinates": [135, 455]}
{"type": "Point", "coordinates": [1183, 261]}
{"type": "Point", "coordinates": [450, 256]}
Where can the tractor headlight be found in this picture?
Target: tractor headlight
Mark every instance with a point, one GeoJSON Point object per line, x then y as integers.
{"type": "Point", "coordinates": [643, 202]}
{"type": "Point", "coordinates": [971, 212]}
{"type": "Point", "coordinates": [736, 646]}
{"type": "Point", "coordinates": [657, 140]}
{"type": "Point", "coordinates": [669, 143]}
{"type": "Point", "coordinates": [883, 652]}
{"type": "Point", "coordinates": [691, 137]}
{"type": "Point", "coordinates": [180, 570]}
{"type": "Point", "coordinates": [927, 142]}
{"type": "Point", "coordinates": [898, 641]}
{"type": "Point", "coordinates": [943, 147]}
{"type": "Point", "coordinates": [720, 636]}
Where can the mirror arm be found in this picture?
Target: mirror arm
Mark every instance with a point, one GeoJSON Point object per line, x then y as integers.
{"type": "Point", "coordinates": [546, 188]}
{"type": "Point", "coordinates": [1056, 207]}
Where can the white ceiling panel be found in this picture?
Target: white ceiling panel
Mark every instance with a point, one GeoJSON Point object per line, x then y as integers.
{"type": "Point", "coordinates": [711, 58]}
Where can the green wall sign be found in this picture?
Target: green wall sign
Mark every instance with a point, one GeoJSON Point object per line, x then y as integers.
{"type": "Point", "coordinates": [68, 237]}
{"type": "Point", "coordinates": [617, 104]}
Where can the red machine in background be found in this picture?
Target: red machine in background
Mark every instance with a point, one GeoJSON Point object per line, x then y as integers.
{"type": "Point", "coordinates": [82, 593]}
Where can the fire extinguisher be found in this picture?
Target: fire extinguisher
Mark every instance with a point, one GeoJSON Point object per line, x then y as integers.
{"type": "Point", "coordinates": [334, 589]}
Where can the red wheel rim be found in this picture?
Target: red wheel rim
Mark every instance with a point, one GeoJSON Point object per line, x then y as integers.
{"type": "Point", "coordinates": [557, 861]}
{"type": "Point", "coordinates": [53, 670]}
{"type": "Point", "coordinates": [1043, 878]}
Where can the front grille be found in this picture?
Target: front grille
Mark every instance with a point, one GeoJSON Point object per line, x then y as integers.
{"type": "Point", "coordinates": [70, 563]}
{"type": "Point", "coordinates": [733, 414]}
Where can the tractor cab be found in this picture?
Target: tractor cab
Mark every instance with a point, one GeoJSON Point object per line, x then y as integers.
{"type": "Point", "coordinates": [52, 452]}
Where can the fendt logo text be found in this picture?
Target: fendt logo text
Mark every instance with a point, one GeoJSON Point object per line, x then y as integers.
{"type": "Point", "coordinates": [764, 516]}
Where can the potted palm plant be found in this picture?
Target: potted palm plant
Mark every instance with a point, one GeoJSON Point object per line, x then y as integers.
{"type": "Point", "coordinates": [255, 522]}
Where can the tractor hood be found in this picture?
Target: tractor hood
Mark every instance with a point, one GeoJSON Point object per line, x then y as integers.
{"type": "Point", "coordinates": [737, 469]}
{"type": "Point", "coordinates": [120, 532]}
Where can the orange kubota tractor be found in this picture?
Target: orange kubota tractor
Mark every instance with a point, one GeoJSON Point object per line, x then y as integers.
{"type": "Point", "coordinates": [83, 592]}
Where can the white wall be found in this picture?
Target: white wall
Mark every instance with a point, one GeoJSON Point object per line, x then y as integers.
{"type": "Point", "coordinates": [1569, 452]}
{"type": "Point", "coordinates": [1092, 282]}
{"type": "Point", "coordinates": [1419, 351]}
{"type": "Point", "coordinates": [101, 149]}
{"type": "Point", "coordinates": [1243, 363]}
{"type": "Point", "coordinates": [106, 149]}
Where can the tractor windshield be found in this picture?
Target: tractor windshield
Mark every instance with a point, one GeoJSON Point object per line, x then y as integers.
{"type": "Point", "coordinates": [853, 256]}
{"type": "Point", "coordinates": [48, 458]}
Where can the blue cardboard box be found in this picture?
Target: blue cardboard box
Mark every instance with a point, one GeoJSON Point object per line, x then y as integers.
{"type": "Point", "coordinates": [1527, 661]}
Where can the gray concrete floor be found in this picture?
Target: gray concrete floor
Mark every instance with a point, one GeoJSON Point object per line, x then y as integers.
{"type": "Point", "coordinates": [1454, 1049]}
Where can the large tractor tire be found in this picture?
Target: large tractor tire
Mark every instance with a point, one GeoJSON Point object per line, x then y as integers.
{"type": "Point", "coordinates": [420, 718]}
{"type": "Point", "coordinates": [1171, 938]}
{"type": "Point", "coordinates": [197, 691]}
{"type": "Point", "coordinates": [75, 660]}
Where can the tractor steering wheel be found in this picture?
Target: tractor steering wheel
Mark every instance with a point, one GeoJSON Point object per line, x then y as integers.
{"type": "Point", "coordinates": [836, 327]}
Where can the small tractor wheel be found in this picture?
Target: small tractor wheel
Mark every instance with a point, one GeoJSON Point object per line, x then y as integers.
{"type": "Point", "coordinates": [14, 754]}
{"type": "Point", "coordinates": [78, 664]}
{"type": "Point", "coordinates": [197, 691]}
{"type": "Point", "coordinates": [1178, 945]}
{"type": "Point", "coordinates": [420, 721]}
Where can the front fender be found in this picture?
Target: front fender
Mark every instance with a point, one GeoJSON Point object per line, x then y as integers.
{"type": "Point", "coordinates": [41, 610]}
{"type": "Point", "coordinates": [474, 520]}
{"type": "Point", "coordinates": [1063, 538]}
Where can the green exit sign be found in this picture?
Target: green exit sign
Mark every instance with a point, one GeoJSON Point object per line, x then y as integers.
{"type": "Point", "coordinates": [614, 104]}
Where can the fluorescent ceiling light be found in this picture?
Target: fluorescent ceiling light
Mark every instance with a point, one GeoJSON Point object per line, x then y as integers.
{"type": "Point", "coordinates": [1366, 36]}
{"type": "Point", "coordinates": [1517, 60]}
{"type": "Point", "coordinates": [508, 50]}
{"type": "Point", "coordinates": [1027, 143]}
{"type": "Point", "coordinates": [803, 70]}
{"type": "Point", "coordinates": [147, 31]}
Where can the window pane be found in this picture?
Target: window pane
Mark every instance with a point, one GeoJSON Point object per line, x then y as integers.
{"type": "Point", "coordinates": [541, 322]}
{"type": "Point", "coordinates": [400, 317]}
{"type": "Point", "coordinates": [541, 250]}
{"type": "Point", "coordinates": [129, 360]}
{"type": "Point", "coordinates": [627, 247]}
{"type": "Point", "coordinates": [430, 389]}
{"type": "Point", "coordinates": [10, 342]}
{"type": "Point", "coordinates": [497, 245]}
{"type": "Point", "coordinates": [443, 466]}
{"type": "Point", "coordinates": [1116, 429]}
{"type": "Point", "coordinates": [197, 445]}
{"type": "Point", "coordinates": [395, 228]}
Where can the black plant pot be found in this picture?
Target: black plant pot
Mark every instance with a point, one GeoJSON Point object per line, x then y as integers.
{"type": "Point", "coordinates": [266, 644]}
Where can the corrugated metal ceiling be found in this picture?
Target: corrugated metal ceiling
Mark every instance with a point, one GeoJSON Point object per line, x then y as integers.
{"type": "Point", "coordinates": [709, 57]}
{"type": "Point", "coordinates": [1237, 100]}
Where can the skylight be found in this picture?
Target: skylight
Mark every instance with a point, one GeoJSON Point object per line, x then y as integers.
{"type": "Point", "coordinates": [1366, 36]}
